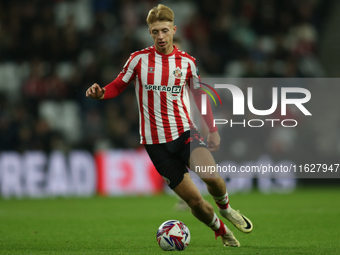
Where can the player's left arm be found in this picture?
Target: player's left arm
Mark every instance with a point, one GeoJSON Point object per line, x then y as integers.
{"type": "Point", "coordinates": [213, 139]}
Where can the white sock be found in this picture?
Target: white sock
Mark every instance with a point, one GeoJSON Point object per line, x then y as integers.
{"type": "Point", "coordinates": [223, 203]}
{"type": "Point", "coordinates": [215, 223]}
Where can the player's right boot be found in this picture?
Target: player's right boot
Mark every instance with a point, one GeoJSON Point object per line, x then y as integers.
{"type": "Point", "coordinates": [240, 221]}
{"type": "Point", "coordinates": [229, 239]}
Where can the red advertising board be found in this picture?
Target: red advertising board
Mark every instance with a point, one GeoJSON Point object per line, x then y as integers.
{"type": "Point", "coordinates": [123, 172]}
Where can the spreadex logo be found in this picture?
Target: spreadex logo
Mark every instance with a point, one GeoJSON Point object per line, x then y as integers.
{"type": "Point", "coordinates": [172, 89]}
{"type": "Point", "coordinates": [238, 105]}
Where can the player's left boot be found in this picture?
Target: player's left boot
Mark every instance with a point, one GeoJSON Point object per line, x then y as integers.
{"type": "Point", "coordinates": [229, 240]}
{"type": "Point", "coordinates": [240, 221]}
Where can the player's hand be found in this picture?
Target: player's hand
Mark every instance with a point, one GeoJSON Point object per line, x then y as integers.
{"type": "Point", "coordinates": [95, 92]}
{"type": "Point", "coordinates": [213, 141]}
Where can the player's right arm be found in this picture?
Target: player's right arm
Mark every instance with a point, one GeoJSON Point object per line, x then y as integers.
{"type": "Point", "coordinates": [111, 90]}
{"type": "Point", "coordinates": [117, 86]}
{"type": "Point", "coordinates": [95, 92]}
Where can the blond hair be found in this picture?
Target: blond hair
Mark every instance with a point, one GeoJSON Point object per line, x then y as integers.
{"type": "Point", "coordinates": [160, 13]}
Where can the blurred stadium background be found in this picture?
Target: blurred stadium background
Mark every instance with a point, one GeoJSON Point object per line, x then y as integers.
{"type": "Point", "coordinates": [51, 135]}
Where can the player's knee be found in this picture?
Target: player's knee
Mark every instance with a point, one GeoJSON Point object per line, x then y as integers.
{"type": "Point", "coordinates": [197, 204]}
{"type": "Point", "coordinates": [212, 181]}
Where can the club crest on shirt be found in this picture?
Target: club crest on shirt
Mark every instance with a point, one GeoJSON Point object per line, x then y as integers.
{"type": "Point", "coordinates": [151, 70]}
{"type": "Point", "coordinates": [177, 73]}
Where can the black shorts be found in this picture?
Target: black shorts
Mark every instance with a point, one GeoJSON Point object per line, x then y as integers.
{"type": "Point", "coordinates": [172, 159]}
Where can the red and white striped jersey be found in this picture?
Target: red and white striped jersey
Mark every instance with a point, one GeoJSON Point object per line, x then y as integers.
{"type": "Point", "coordinates": [162, 91]}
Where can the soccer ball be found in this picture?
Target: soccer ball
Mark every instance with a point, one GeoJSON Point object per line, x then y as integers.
{"type": "Point", "coordinates": [173, 235]}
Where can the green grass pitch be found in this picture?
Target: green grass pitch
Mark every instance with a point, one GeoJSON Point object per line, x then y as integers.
{"type": "Point", "coordinates": [304, 222]}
